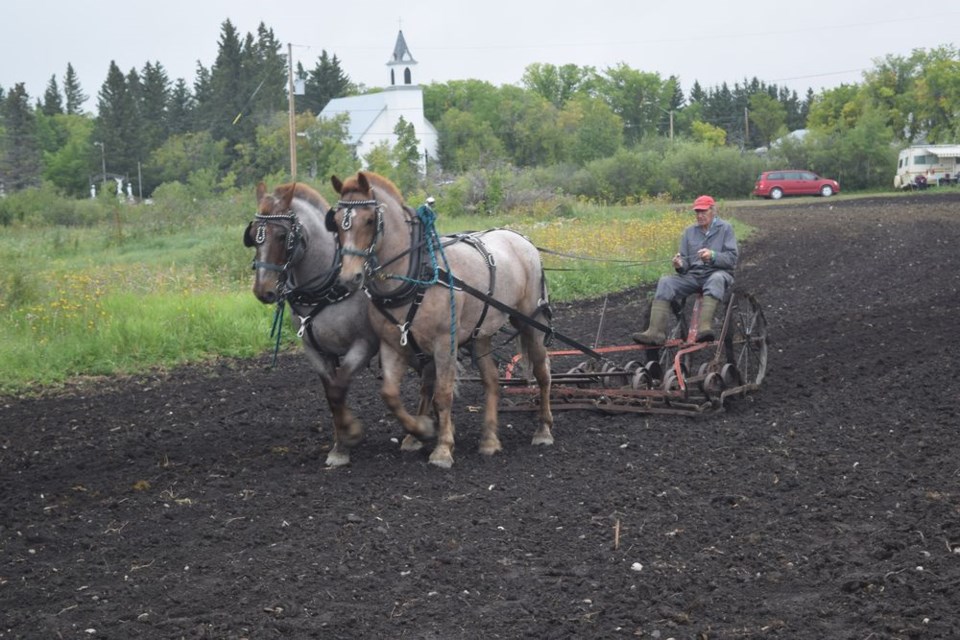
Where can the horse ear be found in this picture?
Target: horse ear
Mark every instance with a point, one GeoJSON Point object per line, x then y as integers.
{"type": "Point", "coordinates": [288, 196]}
{"type": "Point", "coordinates": [337, 184]}
{"type": "Point", "coordinates": [363, 182]}
{"type": "Point", "coordinates": [329, 222]}
{"type": "Point", "coordinates": [248, 236]}
{"type": "Point", "coordinates": [261, 191]}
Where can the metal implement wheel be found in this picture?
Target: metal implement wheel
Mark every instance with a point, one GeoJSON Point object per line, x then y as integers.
{"type": "Point", "coordinates": [746, 341]}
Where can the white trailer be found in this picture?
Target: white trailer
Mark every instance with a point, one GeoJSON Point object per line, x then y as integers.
{"type": "Point", "coordinates": [926, 165]}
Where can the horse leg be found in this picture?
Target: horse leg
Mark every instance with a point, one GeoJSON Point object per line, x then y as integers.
{"type": "Point", "coordinates": [427, 379]}
{"type": "Point", "coordinates": [536, 354]}
{"type": "Point", "coordinates": [347, 430]}
{"type": "Point", "coordinates": [489, 440]}
{"type": "Point", "coordinates": [418, 427]}
{"type": "Point", "coordinates": [446, 374]}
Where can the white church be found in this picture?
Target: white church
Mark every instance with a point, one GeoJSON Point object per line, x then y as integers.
{"type": "Point", "coordinates": [373, 117]}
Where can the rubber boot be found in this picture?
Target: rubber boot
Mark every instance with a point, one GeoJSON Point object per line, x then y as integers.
{"type": "Point", "coordinates": [708, 306]}
{"type": "Point", "coordinates": [656, 333]}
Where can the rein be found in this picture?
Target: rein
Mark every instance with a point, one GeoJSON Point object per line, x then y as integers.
{"type": "Point", "coordinates": [420, 274]}
{"type": "Point", "coordinates": [329, 291]}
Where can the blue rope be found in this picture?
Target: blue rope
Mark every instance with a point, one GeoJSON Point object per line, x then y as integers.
{"type": "Point", "coordinates": [427, 218]}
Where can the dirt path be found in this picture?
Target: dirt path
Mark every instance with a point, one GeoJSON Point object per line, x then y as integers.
{"type": "Point", "coordinates": [196, 505]}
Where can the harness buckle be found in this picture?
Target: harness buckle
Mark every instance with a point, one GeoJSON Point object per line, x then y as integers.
{"type": "Point", "coordinates": [304, 321]}
{"type": "Point", "coordinates": [404, 331]}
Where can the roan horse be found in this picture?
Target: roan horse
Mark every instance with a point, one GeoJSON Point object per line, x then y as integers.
{"type": "Point", "coordinates": [396, 255]}
{"type": "Point", "coordinates": [297, 262]}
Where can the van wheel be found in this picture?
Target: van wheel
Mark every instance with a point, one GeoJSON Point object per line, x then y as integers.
{"type": "Point", "coordinates": [826, 191]}
{"type": "Point", "coordinates": [776, 193]}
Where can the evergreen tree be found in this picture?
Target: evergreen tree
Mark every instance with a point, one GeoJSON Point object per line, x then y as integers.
{"type": "Point", "coordinates": [75, 97]}
{"type": "Point", "coordinates": [325, 82]}
{"type": "Point", "coordinates": [266, 73]}
{"type": "Point", "coordinates": [153, 108]}
{"type": "Point", "coordinates": [19, 151]}
{"type": "Point", "coordinates": [116, 124]}
{"type": "Point", "coordinates": [180, 109]}
{"type": "Point", "coordinates": [221, 93]}
{"type": "Point", "coordinates": [52, 102]}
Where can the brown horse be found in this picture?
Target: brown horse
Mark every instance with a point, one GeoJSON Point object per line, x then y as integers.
{"type": "Point", "coordinates": [297, 262]}
{"type": "Point", "coordinates": [422, 314]}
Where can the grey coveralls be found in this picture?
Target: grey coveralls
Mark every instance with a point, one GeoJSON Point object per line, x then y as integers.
{"type": "Point", "coordinates": [694, 275]}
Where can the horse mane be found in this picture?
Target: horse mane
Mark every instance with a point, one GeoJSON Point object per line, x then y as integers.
{"type": "Point", "coordinates": [302, 191]}
{"type": "Point", "coordinates": [376, 180]}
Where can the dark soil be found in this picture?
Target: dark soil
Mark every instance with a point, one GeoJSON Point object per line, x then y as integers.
{"type": "Point", "coordinates": [195, 504]}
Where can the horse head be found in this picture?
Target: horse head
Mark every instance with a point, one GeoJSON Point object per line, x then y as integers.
{"type": "Point", "coordinates": [360, 218]}
{"type": "Point", "coordinates": [277, 235]}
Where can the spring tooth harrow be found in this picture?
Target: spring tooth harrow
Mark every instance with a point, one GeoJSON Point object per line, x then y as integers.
{"type": "Point", "coordinates": [683, 377]}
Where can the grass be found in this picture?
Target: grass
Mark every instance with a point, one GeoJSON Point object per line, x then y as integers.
{"type": "Point", "coordinates": [126, 296]}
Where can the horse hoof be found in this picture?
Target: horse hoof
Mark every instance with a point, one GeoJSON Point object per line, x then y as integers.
{"type": "Point", "coordinates": [490, 447]}
{"type": "Point", "coordinates": [442, 461]}
{"type": "Point", "coordinates": [337, 459]}
{"type": "Point", "coordinates": [544, 438]}
{"type": "Point", "coordinates": [410, 444]}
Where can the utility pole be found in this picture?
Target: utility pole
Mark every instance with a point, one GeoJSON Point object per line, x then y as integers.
{"type": "Point", "coordinates": [671, 125]}
{"type": "Point", "coordinates": [293, 120]}
{"type": "Point", "coordinates": [746, 128]}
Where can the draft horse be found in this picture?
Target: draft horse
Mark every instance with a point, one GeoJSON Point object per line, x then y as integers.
{"type": "Point", "coordinates": [297, 262]}
{"type": "Point", "coordinates": [422, 314]}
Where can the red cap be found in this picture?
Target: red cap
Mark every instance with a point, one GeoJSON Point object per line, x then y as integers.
{"type": "Point", "coordinates": [703, 203]}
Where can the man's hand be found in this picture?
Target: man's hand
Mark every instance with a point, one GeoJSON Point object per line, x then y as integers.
{"type": "Point", "coordinates": [706, 255]}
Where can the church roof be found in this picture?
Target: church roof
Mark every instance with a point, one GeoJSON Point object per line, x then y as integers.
{"type": "Point", "coordinates": [401, 53]}
{"type": "Point", "coordinates": [363, 111]}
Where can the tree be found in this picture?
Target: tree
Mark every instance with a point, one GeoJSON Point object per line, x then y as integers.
{"type": "Point", "coordinates": [73, 94]}
{"type": "Point", "coordinates": [182, 155]}
{"type": "Point", "coordinates": [19, 151]}
{"type": "Point", "coordinates": [52, 102]}
{"type": "Point", "coordinates": [153, 108]}
{"type": "Point", "coordinates": [467, 142]}
{"type": "Point", "coordinates": [558, 84]}
{"type": "Point", "coordinates": [527, 126]}
{"type": "Point", "coordinates": [592, 128]}
{"type": "Point", "coordinates": [221, 93]}
{"type": "Point", "coordinates": [635, 97]}
{"type": "Point", "coordinates": [835, 108]}
{"type": "Point", "coordinates": [324, 148]}
{"type": "Point", "coordinates": [66, 160]}
{"type": "Point", "coordinates": [117, 124]}
{"type": "Point", "coordinates": [768, 117]}
{"type": "Point", "coordinates": [708, 134]}
{"type": "Point", "coordinates": [406, 156]}
{"type": "Point", "coordinates": [324, 82]}
{"type": "Point", "coordinates": [180, 109]}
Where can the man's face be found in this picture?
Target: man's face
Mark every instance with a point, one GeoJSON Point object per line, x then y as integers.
{"type": "Point", "coordinates": [704, 217]}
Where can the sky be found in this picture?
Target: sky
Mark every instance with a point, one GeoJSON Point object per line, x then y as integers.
{"type": "Point", "coordinates": [816, 44]}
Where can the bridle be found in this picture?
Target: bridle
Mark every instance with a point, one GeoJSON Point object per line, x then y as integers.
{"type": "Point", "coordinates": [295, 244]}
{"type": "Point", "coordinates": [346, 223]}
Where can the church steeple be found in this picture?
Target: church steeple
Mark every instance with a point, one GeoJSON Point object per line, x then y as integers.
{"type": "Point", "coordinates": [401, 58]}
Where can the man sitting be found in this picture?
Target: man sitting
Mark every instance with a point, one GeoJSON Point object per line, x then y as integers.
{"type": "Point", "coordinates": [707, 258]}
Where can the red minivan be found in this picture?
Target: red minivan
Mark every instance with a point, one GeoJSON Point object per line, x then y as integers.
{"type": "Point", "coordinates": [794, 182]}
